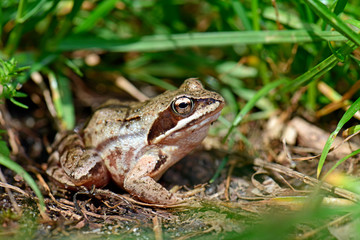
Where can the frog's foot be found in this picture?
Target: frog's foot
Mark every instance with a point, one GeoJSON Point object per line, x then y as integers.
{"type": "Point", "coordinates": [57, 174]}
{"type": "Point", "coordinates": [148, 190]}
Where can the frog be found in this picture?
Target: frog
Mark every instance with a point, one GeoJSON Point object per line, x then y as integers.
{"type": "Point", "coordinates": [134, 143]}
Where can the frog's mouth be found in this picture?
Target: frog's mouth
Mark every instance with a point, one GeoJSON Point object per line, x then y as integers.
{"type": "Point", "coordinates": [206, 119]}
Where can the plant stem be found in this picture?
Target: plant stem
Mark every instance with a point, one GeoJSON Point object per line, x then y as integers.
{"type": "Point", "coordinates": [15, 35]}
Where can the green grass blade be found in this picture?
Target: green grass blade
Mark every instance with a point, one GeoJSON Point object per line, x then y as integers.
{"type": "Point", "coordinates": [66, 26]}
{"type": "Point", "coordinates": [4, 150]}
{"type": "Point", "coordinates": [320, 69]}
{"type": "Point", "coordinates": [20, 11]}
{"type": "Point", "coordinates": [7, 162]}
{"type": "Point", "coordinates": [13, 40]}
{"type": "Point", "coordinates": [175, 41]}
{"type": "Point", "coordinates": [354, 22]}
{"type": "Point", "coordinates": [352, 130]}
{"type": "Point", "coordinates": [345, 118]}
{"type": "Point", "coordinates": [241, 13]}
{"type": "Point", "coordinates": [332, 19]}
{"type": "Point", "coordinates": [250, 104]}
{"type": "Point", "coordinates": [255, 15]}
{"type": "Point", "coordinates": [286, 18]}
{"type": "Point", "coordinates": [153, 80]}
{"type": "Point", "coordinates": [341, 161]}
{"type": "Point", "coordinates": [340, 6]}
{"type": "Point", "coordinates": [31, 11]}
{"type": "Point", "coordinates": [40, 64]}
{"type": "Point", "coordinates": [99, 13]}
{"type": "Point", "coordinates": [219, 169]}
{"type": "Point", "coordinates": [1, 26]}
{"type": "Point", "coordinates": [67, 102]}
{"type": "Point", "coordinates": [17, 103]}
{"type": "Point", "coordinates": [62, 98]}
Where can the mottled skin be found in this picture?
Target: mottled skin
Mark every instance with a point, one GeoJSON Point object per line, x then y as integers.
{"type": "Point", "coordinates": [135, 143]}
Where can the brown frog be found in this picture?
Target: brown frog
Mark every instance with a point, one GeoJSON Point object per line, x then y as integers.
{"type": "Point", "coordinates": [135, 143]}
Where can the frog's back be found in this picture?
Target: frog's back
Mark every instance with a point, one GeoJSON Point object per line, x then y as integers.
{"type": "Point", "coordinates": [114, 120]}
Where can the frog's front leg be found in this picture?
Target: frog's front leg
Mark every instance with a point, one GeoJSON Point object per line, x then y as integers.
{"type": "Point", "coordinates": [73, 165]}
{"type": "Point", "coordinates": [139, 181]}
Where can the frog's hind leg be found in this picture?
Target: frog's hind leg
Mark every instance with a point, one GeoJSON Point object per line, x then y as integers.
{"type": "Point", "coordinates": [74, 165]}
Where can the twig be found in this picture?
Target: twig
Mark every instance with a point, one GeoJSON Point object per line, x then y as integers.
{"type": "Point", "coordinates": [336, 102]}
{"type": "Point", "coordinates": [124, 84]}
{"type": "Point", "coordinates": [6, 185]}
{"type": "Point", "coordinates": [307, 180]}
{"type": "Point", "coordinates": [194, 234]}
{"type": "Point", "coordinates": [157, 228]}
{"type": "Point", "coordinates": [316, 137]}
{"type": "Point", "coordinates": [228, 180]}
{"type": "Point", "coordinates": [65, 213]}
{"type": "Point", "coordinates": [333, 148]}
{"type": "Point", "coordinates": [38, 79]}
{"type": "Point", "coordinates": [308, 235]}
{"type": "Point", "coordinates": [104, 216]}
{"type": "Point", "coordinates": [130, 200]}
{"type": "Point", "coordinates": [279, 25]}
{"type": "Point", "coordinates": [4, 119]}
{"type": "Point", "coordinates": [11, 196]}
{"type": "Point", "coordinates": [70, 210]}
{"type": "Point", "coordinates": [44, 215]}
{"type": "Point", "coordinates": [286, 182]}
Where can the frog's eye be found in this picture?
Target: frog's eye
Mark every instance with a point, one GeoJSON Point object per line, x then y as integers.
{"type": "Point", "coordinates": [182, 106]}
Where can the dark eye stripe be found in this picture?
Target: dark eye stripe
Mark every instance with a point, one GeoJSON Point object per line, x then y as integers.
{"type": "Point", "coordinates": [165, 121]}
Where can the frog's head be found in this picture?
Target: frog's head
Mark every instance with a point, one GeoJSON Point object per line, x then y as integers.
{"type": "Point", "coordinates": [185, 115]}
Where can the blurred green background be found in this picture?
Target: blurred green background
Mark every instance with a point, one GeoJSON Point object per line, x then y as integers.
{"type": "Point", "coordinates": [236, 47]}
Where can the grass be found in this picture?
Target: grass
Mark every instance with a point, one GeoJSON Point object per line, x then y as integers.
{"type": "Point", "coordinates": [165, 42]}
{"type": "Point", "coordinates": [256, 54]}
